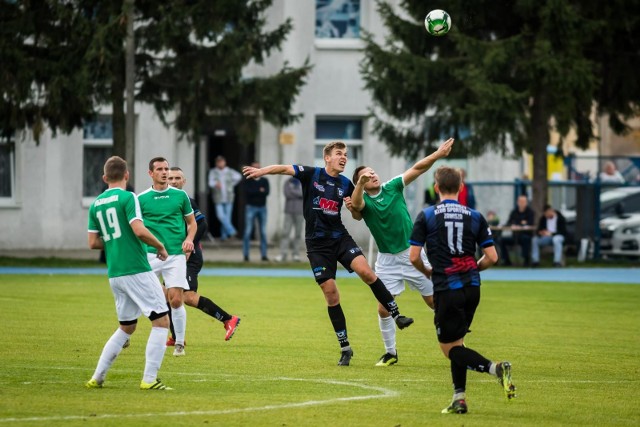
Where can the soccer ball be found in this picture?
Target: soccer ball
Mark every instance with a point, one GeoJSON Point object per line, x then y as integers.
{"type": "Point", "coordinates": [437, 22]}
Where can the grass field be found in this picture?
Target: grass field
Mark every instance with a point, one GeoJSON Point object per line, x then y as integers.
{"type": "Point", "coordinates": [574, 348]}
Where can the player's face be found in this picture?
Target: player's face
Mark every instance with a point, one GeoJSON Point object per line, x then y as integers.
{"type": "Point", "coordinates": [374, 179]}
{"type": "Point", "coordinates": [176, 179]}
{"type": "Point", "coordinates": [336, 160]}
{"type": "Point", "coordinates": [160, 173]}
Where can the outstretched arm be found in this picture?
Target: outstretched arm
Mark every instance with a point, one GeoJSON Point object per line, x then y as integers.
{"type": "Point", "coordinates": [251, 172]}
{"type": "Point", "coordinates": [357, 197]}
{"type": "Point", "coordinates": [423, 165]}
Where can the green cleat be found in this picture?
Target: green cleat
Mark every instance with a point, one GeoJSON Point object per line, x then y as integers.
{"type": "Point", "coordinates": [387, 359]}
{"type": "Point", "coordinates": [92, 383]}
{"type": "Point", "coordinates": [457, 407]}
{"type": "Point", "coordinates": [503, 371]}
{"type": "Point", "coordinates": [156, 385]}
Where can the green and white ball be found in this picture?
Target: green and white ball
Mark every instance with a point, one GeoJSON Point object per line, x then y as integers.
{"type": "Point", "coordinates": [437, 22]}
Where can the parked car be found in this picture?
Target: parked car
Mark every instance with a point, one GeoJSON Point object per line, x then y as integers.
{"type": "Point", "coordinates": [614, 202]}
{"type": "Point", "coordinates": [620, 236]}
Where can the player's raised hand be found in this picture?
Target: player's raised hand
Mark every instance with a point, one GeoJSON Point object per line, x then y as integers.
{"type": "Point", "coordinates": [445, 148]}
{"type": "Point", "coordinates": [365, 177]}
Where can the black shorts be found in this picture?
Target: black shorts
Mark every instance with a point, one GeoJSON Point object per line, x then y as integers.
{"type": "Point", "coordinates": [455, 309]}
{"type": "Point", "coordinates": [194, 265]}
{"type": "Point", "coordinates": [324, 255]}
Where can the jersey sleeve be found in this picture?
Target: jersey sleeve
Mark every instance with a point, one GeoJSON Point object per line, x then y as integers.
{"type": "Point", "coordinates": [485, 238]}
{"type": "Point", "coordinates": [419, 232]}
{"type": "Point", "coordinates": [132, 207]}
{"type": "Point", "coordinates": [93, 226]}
{"type": "Point", "coordinates": [303, 173]}
{"type": "Point", "coordinates": [186, 204]}
{"type": "Point", "coordinates": [396, 184]}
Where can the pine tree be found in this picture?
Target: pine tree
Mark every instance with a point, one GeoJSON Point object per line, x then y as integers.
{"type": "Point", "coordinates": [61, 61]}
{"type": "Point", "coordinates": [505, 76]}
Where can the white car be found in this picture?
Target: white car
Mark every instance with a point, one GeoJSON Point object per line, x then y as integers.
{"type": "Point", "coordinates": [620, 235]}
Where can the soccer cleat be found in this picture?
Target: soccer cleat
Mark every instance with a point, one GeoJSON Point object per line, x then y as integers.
{"type": "Point", "coordinates": [179, 350]}
{"type": "Point", "coordinates": [457, 407]}
{"type": "Point", "coordinates": [156, 385]}
{"type": "Point", "coordinates": [387, 359]}
{"type": "Point", "coordinates": [230, 326]}
{"type": "Point", "coordinates": [403, 321]}
{"type": "Point", "coordinates": [127, 343]}
{"type": "Point", "coordinates": [503, 371]}
{"type": "Point", "coordinates": [93, 383]}
{"type": "Point", "coordinates": [171, 341]}
{"type": "Point", "coordinates": [345, 358]}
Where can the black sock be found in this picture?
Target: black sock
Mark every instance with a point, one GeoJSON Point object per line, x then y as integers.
{"type": "Point", "coordinates": [339, 324]}
{"type": "Point", "coordinates": [173, 332]}
{"type": "Point", "coordinates": [471, 359]}
{"type": "Point", "coordinates": [459, 377]}
{"type": "Point", "coordinates": [384, 297]}
{"type": "Point", "coordinates": [209, 307]}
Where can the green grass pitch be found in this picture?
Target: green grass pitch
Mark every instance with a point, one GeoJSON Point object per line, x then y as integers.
{"type": "Point", "coordinates": [574, 348]}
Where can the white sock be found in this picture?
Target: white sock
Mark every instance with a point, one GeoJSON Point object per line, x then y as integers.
{"type": "Point", "coordinates": [459, 396]}
{"type": "Point", "coordinates": [179, 319]}
{"type": "Point", "coordinates": [111, 349]}
{"type": "Point", "coordinates": [156, 346]}
{"type": "Point", "coordinates": [388, 331]}
{"type": "Point", "coordinates": [492, 368]}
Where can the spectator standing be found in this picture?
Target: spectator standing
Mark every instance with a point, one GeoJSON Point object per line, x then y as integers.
{"type": "Point", "coordinates": [467, 196]}
{"type": "Point", "coordinates": [256, 191]}
{"type": "Point", "coordinates": [521, 221]}
{"type": "Point", "coordinates": [222, 181]}
{"type": "Point", "coordinates": [552, 230]}
{"type": "Point", "coordinates": [293, 220]}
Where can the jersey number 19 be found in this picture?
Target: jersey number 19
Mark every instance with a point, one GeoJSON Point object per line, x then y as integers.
{"type": "Point", "coordinates": [112, 221]}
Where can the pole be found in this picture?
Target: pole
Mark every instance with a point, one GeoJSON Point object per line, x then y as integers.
{"type": "Point", "coordinates": [130, 90]}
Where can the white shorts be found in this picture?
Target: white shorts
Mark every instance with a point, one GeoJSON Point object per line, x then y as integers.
{"type": "Point", "coordinates": [395, 269]}
{"type": "Point", "coordinates": [173, 271]}
{"type": "Point", "coordinates": [137, 294]}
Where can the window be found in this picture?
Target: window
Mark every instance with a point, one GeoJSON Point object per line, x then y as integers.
{"type": "Point", "coordinates": [337, 19]}
{"type": "Point", "coordinates": [7, 167]}
{"type": "Point", "coordinates": [98, 147]}
{"type": "Point", "coordinates": [348, 131]}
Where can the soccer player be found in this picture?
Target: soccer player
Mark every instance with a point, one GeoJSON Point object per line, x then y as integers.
{"type": "Point", "coordinates": [194, 265]}
{"type": "Point", "coordinates": [115, 224]}
{"type": "Point", "coordinates": [165, 210]}
{"type": "Point", "coordinates": [451, 232]}
{"type": "Point", "coordinates": [384, 210]}
{"type": "Point", "coordinates": [327, 239]}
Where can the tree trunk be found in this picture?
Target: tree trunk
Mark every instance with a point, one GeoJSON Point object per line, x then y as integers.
{"type": "Point", "coordinates": [539, 140]}
{"type": "Point", "coordinates": [118, 116]}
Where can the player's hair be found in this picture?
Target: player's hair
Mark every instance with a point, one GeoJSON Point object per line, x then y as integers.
{"type": "Point", "coordinates": [175, 168]}
{"type": "Point", "coordinates": [156, 159]}
{"type": "Point", "coordinates": [331, 146]}
{"type": "Point", "coordinates": [115, 168]}
{"type": "Point", "coordinates": [546, 207]}
{"type": "Point", "coordinates": [448, 179]}
{"type": "Point", "coordinates": [356, 172]}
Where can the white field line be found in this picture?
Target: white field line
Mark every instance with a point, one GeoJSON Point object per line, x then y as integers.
{"type": "Point", "coordinates": [380, 394]}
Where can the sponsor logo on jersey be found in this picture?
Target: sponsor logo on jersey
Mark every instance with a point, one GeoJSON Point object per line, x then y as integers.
{"type": "Point", "coordinates": [318, 186]}
{"type": "Point", "coordinates": [331, 183]}
{"type": "Point", "coordinates": [329, 207]}
{"type": "Point", "coordinates": [161, 197]}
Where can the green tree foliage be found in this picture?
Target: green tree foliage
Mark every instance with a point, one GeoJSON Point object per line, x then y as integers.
{"type": "Point", "coordinates": [510, 72]}
{"type": "Point", "coordinates": [61, 60]}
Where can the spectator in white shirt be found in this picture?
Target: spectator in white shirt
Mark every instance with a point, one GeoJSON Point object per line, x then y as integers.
{"type": "Point", "coordinates": [610, 174]}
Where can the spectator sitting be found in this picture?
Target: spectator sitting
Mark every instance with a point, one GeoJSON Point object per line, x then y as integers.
{"type": "Point", "coordinates": [492, 219]}
{"type": "Point", "coordinates": [521, 216]}
{"type": "Point", "coordinates": [610, 174]}
{"type": "Point", "coordinates": [552, 230]}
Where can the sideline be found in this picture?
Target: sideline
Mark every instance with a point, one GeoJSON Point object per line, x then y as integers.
{"type": "Point", "coordinates": [569, 275]}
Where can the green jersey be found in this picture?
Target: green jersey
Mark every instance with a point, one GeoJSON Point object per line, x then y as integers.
{"type": "Point", "coordinates": [110, 215]}
{"type": "Point", "coordinates": [387, 217]}
{"type": "Point", "coordinates": [164, 212]}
